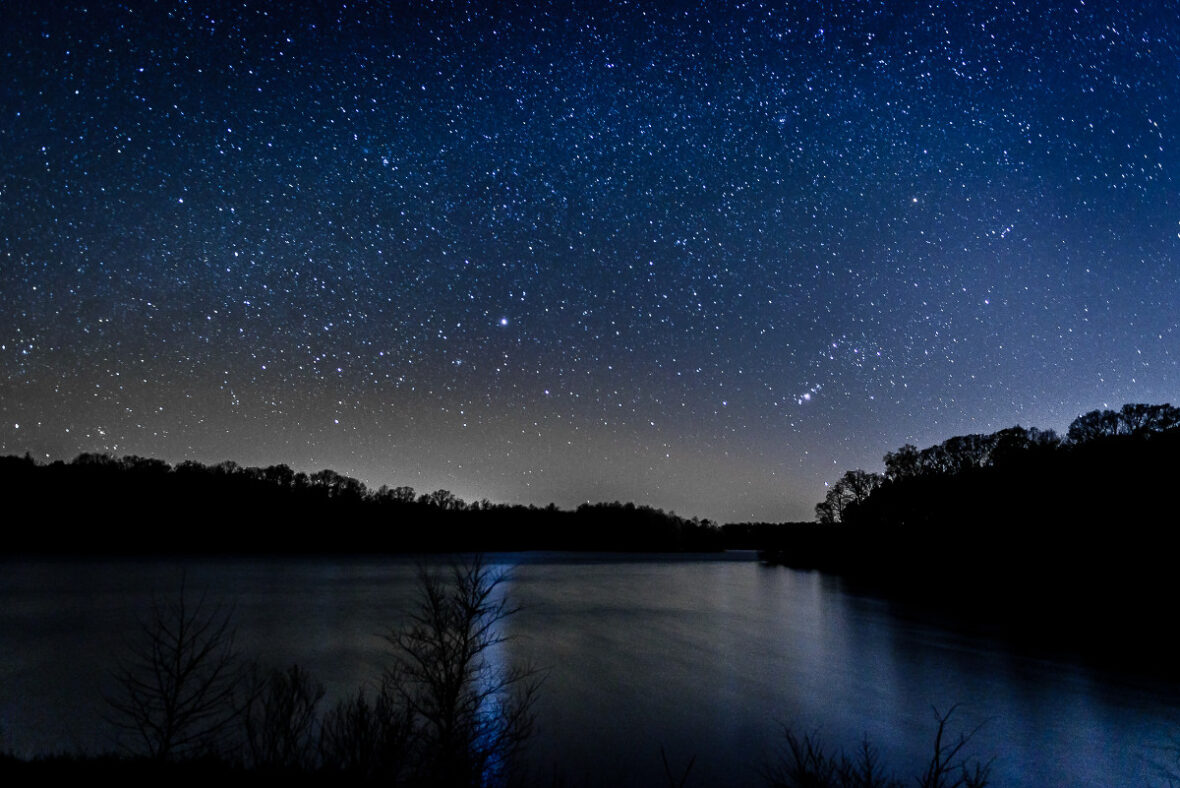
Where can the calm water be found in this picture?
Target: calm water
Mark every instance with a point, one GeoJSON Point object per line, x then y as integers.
{"type": "Point", "coordinates": [701, 657]}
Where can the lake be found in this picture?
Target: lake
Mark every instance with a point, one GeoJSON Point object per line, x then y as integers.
{"type": "Point", "coordinates": [699, 656]}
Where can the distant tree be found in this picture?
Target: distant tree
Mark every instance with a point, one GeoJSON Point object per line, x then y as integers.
{"type": "Point", "coordinates": [402, 494]}
{"type": "Point", "coordinates": [966, 452]}
{"type": "Point", "coordinates": [96, 460]}
{"type": "Point", "coordinates": [444, 500]}
{"type": "Point", "coordinates": [1167, 418]}
{"type": "Point", "coordinates": [1141, 418]}
{"type": "Point", "coordinates": [279, 475]}
{"type": "Point", "coordinates": [144, 465]}
{"type": "Point", "coordinates": [903, 463]}
{"type": "Point", "coordinates": [1009, 444]}
{"type": "Point", "coordinates": [1043, 439]}
{"type": "Point", "coordinates": [853, 488]}
{"type": "Point", "coordinates": [226, 468]}
{"type": "Point", "coordinates": [327, 479]}
{"type": "Point", "coordinates": [1093, 425]}
{"type": "Point", "coordinates": [1132, 419]}
{"type": "Point", "coordinates": [934, 460]}
{"type": "Point", "coordinates": [191, 467]}
{"type": "Point", "coordinates": [352, 488]}
{"type": "Point", "coordinates": [825, 512]}
{"type": "Point", "coordinates": [338, 485]}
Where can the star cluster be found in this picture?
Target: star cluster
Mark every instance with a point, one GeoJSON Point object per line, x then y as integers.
{"type": "Point", "coordinates": [704, 256]}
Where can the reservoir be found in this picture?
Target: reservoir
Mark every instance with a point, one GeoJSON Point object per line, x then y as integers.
{"type": "Point", "coordinates": [703, 658]}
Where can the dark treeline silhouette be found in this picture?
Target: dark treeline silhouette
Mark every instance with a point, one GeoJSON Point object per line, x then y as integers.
{"type": "Point", "coordinates": [800, 545]}
{"type": "Point", "coordinates": [1070, 536]}
{"type": "Point", "coordinates": [147, 506]}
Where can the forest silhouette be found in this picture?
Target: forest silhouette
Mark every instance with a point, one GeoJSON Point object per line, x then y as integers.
{"type": "Point", "coordinates": [1063, 537]}
{"type": "Point", "coordinates": [1059, 537]}
{"type": "Point", "coordinates": [1019, 498]}
{"type": "Point", "coordinates": [140, 505]}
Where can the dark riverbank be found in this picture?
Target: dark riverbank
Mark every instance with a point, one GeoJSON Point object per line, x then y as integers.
{"type": "Point", "coordinates": [1066, 542]}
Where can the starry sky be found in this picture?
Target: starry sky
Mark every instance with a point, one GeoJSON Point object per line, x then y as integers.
{"type": "Point", "coordinates": [700, 255]}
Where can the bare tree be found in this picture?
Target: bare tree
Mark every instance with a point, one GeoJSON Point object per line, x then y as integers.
{"type": "Point", "coordinates": [471, 712]}
{"type": "Point", "coordinates": [853, 488]}
{"type": "Point", "coordinates": [805, 763]}
{"type": "Point", "coordinates": [177, 692]}
{"type": "Point", "coordinates": [280, 720]}
{"type": "Point", "coordinates": [367, 740]}
{"type": "Point", "coordinates": [947, 767]}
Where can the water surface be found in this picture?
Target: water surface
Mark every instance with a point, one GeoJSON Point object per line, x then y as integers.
{"type": "Point", "coordinates": [705, 657]}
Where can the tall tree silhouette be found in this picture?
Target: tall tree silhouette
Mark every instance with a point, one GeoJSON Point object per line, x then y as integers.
{"type": "Point", "coordinates": [471, 713]}
{"type": "Point", "coordinates": [178, 692]}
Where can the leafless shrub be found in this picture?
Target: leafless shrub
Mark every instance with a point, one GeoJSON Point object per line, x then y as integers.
{"type": "Point", "coordinates": [179, 691]}
{"type": "Point", "coordinates": [470, 714]}
{"type": "Point", "coordinates": [366, 740]}
{"type": "Point", "coordinates": [280, 722]}
{"type": "Point", "coordinates": [668, 774]}
{"type": "Point", "coordinates": [947, 767]}
{"type": "Point", "coordinates": [806, 764]}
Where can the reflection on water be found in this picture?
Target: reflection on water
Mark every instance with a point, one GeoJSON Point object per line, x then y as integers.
{"type": "Point", "coordinates": [698, 657]}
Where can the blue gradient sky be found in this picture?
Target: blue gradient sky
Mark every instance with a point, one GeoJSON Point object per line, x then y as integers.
{"type": "Point", "coordinates": [704, 256]}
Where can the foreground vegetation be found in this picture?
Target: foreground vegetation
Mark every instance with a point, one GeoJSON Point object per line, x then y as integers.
{"type": "Point", "coordinates": [805, 762]}
{"type": "Point", "coordinates": [445, 712]}
{"type": "Point", "coordinates": [189, 709]}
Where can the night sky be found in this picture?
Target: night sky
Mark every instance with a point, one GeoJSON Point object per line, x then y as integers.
{"type": "Point", "coordinates": [704, 256]}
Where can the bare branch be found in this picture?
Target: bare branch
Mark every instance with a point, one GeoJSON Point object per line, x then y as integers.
{"type": "Point", "coordinates": [176, 689]}
{"type": "Point", "coordinates": [470, 714]}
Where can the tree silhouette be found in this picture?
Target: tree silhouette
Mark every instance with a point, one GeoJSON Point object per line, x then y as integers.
{"type": "Point", "coordinates": [903, 463]}
{"type": "Point", "coordinates": [1093, 425]}
{"type": "Point", "coordinates": [279, 724]}
{"type": "Point", "coordinates": [179, 692]}
{"type": "Point", "coordinates": [218, 508]}
{"type": "Point", "coordinates": [806, 763]}
{"type": "Point", "coordinates": [470, 714]}
{"type": "Point", "coordinates": [444, 500]}
{"type": "Point", "coordinates": [1141, 418]}
{"type": "Point", "coordinates": [853, 488]}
